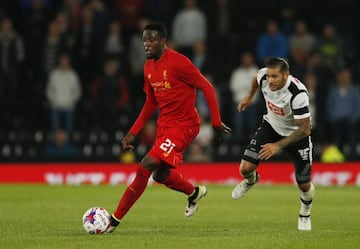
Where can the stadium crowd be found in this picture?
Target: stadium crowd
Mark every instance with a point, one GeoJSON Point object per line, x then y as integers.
{"type": "Point", "coordinates": [71, 72]}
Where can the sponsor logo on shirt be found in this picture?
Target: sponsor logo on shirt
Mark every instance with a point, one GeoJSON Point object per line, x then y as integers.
{"type": "Point", "coordinates": [275, 109]}
{"type": "Point", "coordinates": [160, 85]}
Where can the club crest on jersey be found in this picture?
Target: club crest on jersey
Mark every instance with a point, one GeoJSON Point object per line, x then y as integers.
{"type": "Point", "coordinates": [275, 109]}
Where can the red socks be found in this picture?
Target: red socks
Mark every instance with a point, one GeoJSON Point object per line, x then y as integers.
{"type": "Point", "coordinates": [133, 192]}
{"type": "Point", "coordinates": [136, 188]}
{"type": "Point", "coordinates": [177, 182]}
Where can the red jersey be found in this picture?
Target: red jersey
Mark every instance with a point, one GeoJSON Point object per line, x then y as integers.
{"type": "Point", "coordinates": [170, 85]}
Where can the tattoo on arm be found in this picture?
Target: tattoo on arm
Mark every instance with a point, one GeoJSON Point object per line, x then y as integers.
{"type": "Point", "coordinates": [302, 131]}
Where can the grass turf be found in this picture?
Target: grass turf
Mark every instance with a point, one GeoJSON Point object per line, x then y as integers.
{"type": "Point", "coordinates": [41, 216]}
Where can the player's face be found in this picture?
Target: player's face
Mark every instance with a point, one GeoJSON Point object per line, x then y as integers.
{"type": "Point", "coordinates": [154, 45]}
{"type": "Point", "coordinates": [276, 79]}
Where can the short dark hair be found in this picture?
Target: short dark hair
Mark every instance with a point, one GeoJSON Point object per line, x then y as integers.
{"type": "Point", "coordinates": [278, 62]}
{"type": "Point", "coordinates": [159, 27]}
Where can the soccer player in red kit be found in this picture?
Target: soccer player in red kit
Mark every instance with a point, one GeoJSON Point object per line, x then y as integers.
{"type": "Point", "coordinates": [170, 85]}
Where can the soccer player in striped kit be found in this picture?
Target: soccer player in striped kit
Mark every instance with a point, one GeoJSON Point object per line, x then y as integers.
{"type": "Point", "coordinates": [286, 126]}
{"type": "Point", "coordinates": [171, 81]}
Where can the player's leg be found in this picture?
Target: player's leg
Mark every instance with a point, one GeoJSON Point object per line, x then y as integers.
{"type": "Point", "coordinates": [307, 192]}
{"type": "Point", "coordinates": [301, 152]}
{"type": "Point", "coordinates": [251, 177]}
{"type": "Point", "coordinates": [173, 180]}
{"type": "Point", "coordinates": [250, 159]}
{"type": "Point", "coordinates": [168, 150]}
{"type": "Point", "coordinates": [132, 192]}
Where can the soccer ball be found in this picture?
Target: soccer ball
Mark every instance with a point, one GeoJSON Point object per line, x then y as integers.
{"type": "Point", "coordinates": [96, 220]}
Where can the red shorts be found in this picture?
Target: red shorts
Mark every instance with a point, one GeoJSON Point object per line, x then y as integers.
{"type": "Point", "coordinates": [170, 143]}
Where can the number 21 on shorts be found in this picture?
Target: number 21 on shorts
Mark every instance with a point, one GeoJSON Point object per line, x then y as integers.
{"type": "Point", "coordinates": [167, 147]}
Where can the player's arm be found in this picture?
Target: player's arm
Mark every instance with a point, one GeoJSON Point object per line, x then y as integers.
{"type": "Point", "coordinates": [188, 73]}
{"type": "Point", "coordinates": [210, 95]}
{"type": "Point", "coordinates": [300, 109]}
{"type": "Point", "coordinates": [247, 100]}
{"type": "Point", "coordinates": [146, 113]}
{"type": "Point", "coordinates": [303, 130]}
{"type": "Point", "coordinates": [270, 149]}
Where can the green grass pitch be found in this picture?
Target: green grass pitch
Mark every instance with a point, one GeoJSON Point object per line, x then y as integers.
{"type": "Point", "coordinates": [49, 217]}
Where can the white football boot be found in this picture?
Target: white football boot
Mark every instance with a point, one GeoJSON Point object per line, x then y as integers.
{"type": "Point", "coordinates": [304, 223]}
{"type": "Point", "coordinates": [243, 187]}
{"type": "Point", "coordinates": [113, 224]}
{"type": "Point", "coordinates": [193, 200]}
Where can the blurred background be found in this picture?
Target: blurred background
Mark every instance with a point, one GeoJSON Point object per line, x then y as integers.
{"type": "Point", "coordinates": [71, 73]}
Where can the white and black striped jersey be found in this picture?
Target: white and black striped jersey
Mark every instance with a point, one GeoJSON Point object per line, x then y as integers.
{"type": "Point", "coordinates": [284, 105]}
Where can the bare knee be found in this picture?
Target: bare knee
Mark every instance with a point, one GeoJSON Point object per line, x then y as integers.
{"type": "Point", "coordinates": [160, 174]}
{"type": "Point", "coordinates": [149, 163]}
{"type": "Point", "coordinates": [305, 187]}
{"type": "Point", "coordinates": [246, 167]}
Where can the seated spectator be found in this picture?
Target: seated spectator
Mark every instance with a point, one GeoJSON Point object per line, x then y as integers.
{"type": "Point", "coordinates": [60, 145]}
{"type": "Point", "coordinates": [196, 153]}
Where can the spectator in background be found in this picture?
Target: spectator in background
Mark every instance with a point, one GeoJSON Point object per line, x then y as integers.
{"type": "Point", "coordinates": [189, 26]}
{"type": "Point", "coordinates": [331, 48]}
{"type": "Point", "coordinates": [288, 13]}
{"type": "Point", "coordinates": [114, 48]}
{"type": "Point", "coordinates": [324, 77]}
{"type": "Point", "coordinates": [161, 10]}
{"type": "Point", "coordinates": [197, 154]}
{"type": "Point", "coordinates": [271, 43]}
{"type": "Point", "coordinates": [60, 146]}
{"type": "Point", "coordinates": [343, 110]}
{"type": "Point", "coordinates": [311, 85]}
{"type": "Point", "coordinates": [63, 91]}
{"type": "Point", "coordinates": [87, 49]}
{"type": "Point", "coordinates": [200, 57]}
{"type": "Point", "coordinates": [72, 10]}
{"type": "Point", "coordinates": [222, 23]}
{"type": "Point", "coordinates": [111, 96]}
{"type": "Point", "coordinates": [54, 46]}
{"type": "Point", "coordinates": [33, 22]}
{"type": "Point", "coordinates": [101, 17]}
{"type": "Point", "coordinates": [65, 30]}
{"type": "Point", "coordinates": [137, 59]}
{"type": "Point", "coordinates": [12, 56]}
{"type": "Point", "coordinates": [302, 44]}
{"type": "Point", "coordinates": [244, 123]}
{"type": "Point", "coordinates": [129, 13]}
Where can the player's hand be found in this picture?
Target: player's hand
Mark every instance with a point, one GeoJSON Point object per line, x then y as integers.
{"type": "Point", "coordinates": [220, 130]}
{"type": "Point", "coordinates": [126, 142]}
{"type": "Point", "coordinates": [244, 103]}
{"type": "Point", "coordinates": [268, 150]}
